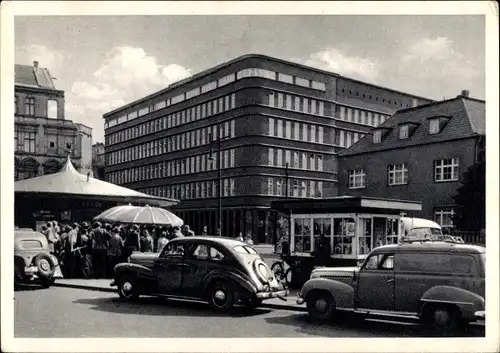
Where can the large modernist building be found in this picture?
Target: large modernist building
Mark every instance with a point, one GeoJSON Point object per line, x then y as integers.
{"type": "Point", "coordinates": [43, 138]}
{"type": "Point", "coordinates": [419, 154]}
{"type": "Point", "coordinates": [274, 114]}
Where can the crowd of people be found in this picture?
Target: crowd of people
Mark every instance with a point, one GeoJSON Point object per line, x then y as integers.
{"type": "Point", "coordinates": [104, 245]}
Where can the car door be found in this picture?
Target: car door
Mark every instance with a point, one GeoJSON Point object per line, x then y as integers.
{"type": "Point", "coordinates": [195, 269]}
{"type": "Point", "coordinates": [168, 268]}
{"type": "Point", "coordinates": [375, 283]}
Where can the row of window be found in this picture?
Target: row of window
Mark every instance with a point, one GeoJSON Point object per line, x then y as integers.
{"type": "Point", "coordinates": [182, 166]}
{"type": "Point", "coordinates": [444, 170]}
{"type": "Point", "coordinates": [436, 125]}
{"type": "Point", "coordinates": [316, 107]}
{"type": "Point", "coordinates": [311, 133]}
{"type": "Point", "coordinates": [361, 116]}
{"type": "Point", "coordinates": [250, 72]}
{"type": "Point", "coordinates": [278, 157]}
{"type": "Point", "coordinates": [296, 131]}
{"type": "Point", "coordinates": [198, 190]}
{"type": "Point", "coordinates": [190, 139]}
{"type": "Point", "coordinates": [296, 188]}
{"type": "Point", "coordinates": [181, 117]}
{"type": "Point", "coordinates": [29, 107]}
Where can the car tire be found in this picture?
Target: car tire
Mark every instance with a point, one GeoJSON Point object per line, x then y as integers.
{"type": "Point", "coordinates": [127, 288]}
{"type": "Point", "coordinates": [320, 305]}
{"type": "Point", "coordinates": [45, 267]}
{"type": "Point", "coordinates": [221, 296]}
{"type": "Point", "coordinates": [442, 319]}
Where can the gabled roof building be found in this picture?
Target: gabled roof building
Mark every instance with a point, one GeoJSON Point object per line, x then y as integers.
{"type": "Point", "coordinates": [419, 154]}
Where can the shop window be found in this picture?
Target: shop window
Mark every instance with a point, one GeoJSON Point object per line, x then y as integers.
{"type": "Point", "coordinates": [302, 235]}
{"type": "Point", "coordinates": [343, 236]}
{"type": "Point", "coordinates": [322, 226]}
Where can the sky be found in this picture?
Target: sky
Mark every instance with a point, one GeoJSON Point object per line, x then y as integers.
{"type": "Point", "coordinates": [104, 62]}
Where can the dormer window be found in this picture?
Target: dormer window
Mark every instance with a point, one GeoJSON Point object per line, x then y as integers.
{"type": "Point", "coordinates": [434, 126]}
{"type": "Point", "coordinates": [377, 136]}
{"type": "Point", "coordinates": [403, 132]}
{"type": "Point", "coordinates": [437, 124]}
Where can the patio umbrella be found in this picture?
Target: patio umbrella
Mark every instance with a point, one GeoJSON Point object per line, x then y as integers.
{"type": "Point", "coordinates": [140, 215]}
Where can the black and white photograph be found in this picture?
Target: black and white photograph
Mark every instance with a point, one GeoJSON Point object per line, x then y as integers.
{"type": "Point", "coordinates": [249, 176]}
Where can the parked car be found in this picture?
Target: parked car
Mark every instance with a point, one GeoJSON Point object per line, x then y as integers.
{"type": "Point", "coordinates": [437, 282]}
{"type": "Point", "coordinates": [221, 271]}
{"type": "Point", "coordinates": [32, 258]}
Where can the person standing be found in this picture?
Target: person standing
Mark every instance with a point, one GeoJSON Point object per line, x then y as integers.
{"type": "Point", "coordinates": [100, 245]}
{"type": "Point", "coordinates": [249, 240]}
{"type": "Point", "coordinates": [114, 251]}
{"type": "Point", "coordinates": [132, 242]}
{"type": "Point", "coordinates": [205, 231]}
{"type": "Point", "coordinates": [322, 251]}
{"type": "Point", "coordinates": [146, 241]}
{"type": "Point", "coordinates": [240, 237]}
{"type": "Point", "coordinates": [162, 241]}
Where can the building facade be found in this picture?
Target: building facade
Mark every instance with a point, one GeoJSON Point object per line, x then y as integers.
{"type": "Point", "coordinates": [283, 125]}
{"type": "Point", "coordinates": [43, 138]}
{"type": "Point", "coordinates": [419, 154]}
{"type": "Point", "coordinates": [98, 160]}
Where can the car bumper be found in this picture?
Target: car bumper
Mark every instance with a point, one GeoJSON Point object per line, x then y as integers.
{"type": "Point", "coordinates": [269, 295]}
{"type": "Point", "coordinates": [32, 271]}
{"type": "Point", "coordinates": [480, 314]}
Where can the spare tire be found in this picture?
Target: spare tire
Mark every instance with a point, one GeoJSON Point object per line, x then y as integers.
{"type": "Point", "coordinates": [263, 271]}
{"type": "Point", "coordinates": [45, 266]}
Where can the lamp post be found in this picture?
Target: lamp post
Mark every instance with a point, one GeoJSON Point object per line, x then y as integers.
{"type": "Point", "coordinates": [219, 170]}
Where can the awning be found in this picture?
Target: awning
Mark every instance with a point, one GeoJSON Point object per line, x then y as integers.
{"type": "Point", "coordinates": [68, 182]}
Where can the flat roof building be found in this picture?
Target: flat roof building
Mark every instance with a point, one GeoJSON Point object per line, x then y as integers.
{"type": "Point", "coordinates": [283, 124]}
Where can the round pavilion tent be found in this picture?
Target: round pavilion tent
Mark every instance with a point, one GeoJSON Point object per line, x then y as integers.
{"type": "Point", "coordinates": [71, 196]}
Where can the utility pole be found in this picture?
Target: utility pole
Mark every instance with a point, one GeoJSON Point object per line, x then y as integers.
{"type": "Point", "coordinates": [219, 171]}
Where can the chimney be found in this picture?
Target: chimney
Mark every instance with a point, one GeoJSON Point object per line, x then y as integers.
{"type": "Point", "coordinates": [35, 64]}
{"type": "Point", "coordinates": [465, 93]}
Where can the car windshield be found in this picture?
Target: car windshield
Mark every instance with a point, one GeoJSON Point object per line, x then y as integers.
{"type": "Point", "coordinates": [244, 249]}
{"type": "Point", "coordinates": [426, 233]}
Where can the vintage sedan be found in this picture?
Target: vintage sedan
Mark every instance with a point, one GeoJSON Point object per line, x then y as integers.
{"type": "Point", "coordinates": [33, 261]}
{"type": "Point", "coordinates": [440, 283]}
{"type": "Point", "coordinates": [221, 271]}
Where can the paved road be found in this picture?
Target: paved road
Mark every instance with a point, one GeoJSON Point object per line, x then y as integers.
{"type": "Point", "coordinates": [64, 312]}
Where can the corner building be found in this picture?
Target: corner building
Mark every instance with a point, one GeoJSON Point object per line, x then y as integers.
{"type": "Point", "coordinates": [273, 112]}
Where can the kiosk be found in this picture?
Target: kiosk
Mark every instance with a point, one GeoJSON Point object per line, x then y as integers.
{"type": "Point", "coordinates": [353, 226]}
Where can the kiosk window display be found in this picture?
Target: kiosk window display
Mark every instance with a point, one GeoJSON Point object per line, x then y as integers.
{"type": "Point", "coordinates": [350, 235]}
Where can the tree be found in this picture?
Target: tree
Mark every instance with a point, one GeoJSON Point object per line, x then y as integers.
{"type": "Point", "coordinates": [470, 213]}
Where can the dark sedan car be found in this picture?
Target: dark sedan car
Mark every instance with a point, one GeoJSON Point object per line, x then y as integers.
{"type": "Point", "coordinates": [222, 271]}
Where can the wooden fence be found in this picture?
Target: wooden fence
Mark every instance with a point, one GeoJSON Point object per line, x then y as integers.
{"type": "Point", "coordinates": [476, 238]}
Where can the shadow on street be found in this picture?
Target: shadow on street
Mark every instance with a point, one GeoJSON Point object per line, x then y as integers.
{"type": "Point", "coordinates": [20, 287]}
{"type": "Point", "coordinates": [349, 323]}
{"type": "Point", "coordinates": [164, 307]}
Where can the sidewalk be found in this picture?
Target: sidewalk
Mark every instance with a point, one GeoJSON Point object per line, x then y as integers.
{"type": "Point", "coordinates": [102, 285]}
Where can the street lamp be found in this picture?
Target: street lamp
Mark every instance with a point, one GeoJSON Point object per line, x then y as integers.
{"type": "Point", "coordinates": [219, 169]}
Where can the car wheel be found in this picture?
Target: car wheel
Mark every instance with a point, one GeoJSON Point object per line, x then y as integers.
{"type": "Point", "coordinates": [45, 267]}
{"type": "Point", "coordinates": [127, 288]}
{"type": "Point", "coordinates": [444, 319]}
{"type": "Point", "coordinates": [221, 297]}
{"type": "Point", "coordinates": [320, 305]}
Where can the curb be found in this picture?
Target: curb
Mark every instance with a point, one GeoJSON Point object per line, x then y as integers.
{"type": "Point", "coordinates": [112, 290]}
